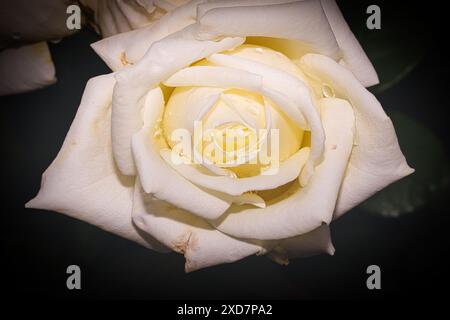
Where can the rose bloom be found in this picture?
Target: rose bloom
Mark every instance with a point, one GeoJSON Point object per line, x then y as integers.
{"type": "Point", "coordinates": [234, 66]}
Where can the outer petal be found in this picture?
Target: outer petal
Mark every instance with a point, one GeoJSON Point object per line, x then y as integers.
{"type": "Point", "coordinates": [26, 68]}
{"type": "Point", "coordinates": [318, 26]}
{"type": "Point", "coordinates": [82, 181]}
{"type": "Point", "coordinates": [309, 244]}
{"type": "Point", "coordinates": [129, 47]}
{"type": "Point", "coordinates": [351, 53]}
{"type": "Point", "coordinates": [376, 160]}
{"type": "Point", "coordinates": [313, 204]}
{"type": "Point", "coordinates": [303, 21]}
{"type": "Point", "coordinates": [353, 56]}
{"type": "Point", "coordinates": [179, 230]}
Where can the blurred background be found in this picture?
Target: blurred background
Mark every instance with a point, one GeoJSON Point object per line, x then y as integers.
{"type": "Point", "coordinates": [403, 229]}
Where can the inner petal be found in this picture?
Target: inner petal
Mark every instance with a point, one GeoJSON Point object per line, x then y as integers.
{"type": "Point", "coordinates": [233, 113]}
{"type": "Point", "coordinates": [245, 116]}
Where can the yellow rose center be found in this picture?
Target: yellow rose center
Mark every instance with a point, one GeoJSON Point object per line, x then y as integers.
{"type": "Point", "coordinates": [232, 124]}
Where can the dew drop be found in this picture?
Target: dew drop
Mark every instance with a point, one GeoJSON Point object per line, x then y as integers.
{"type": "Point", "coordinates": [157, 133]}
{"type": "Point", "coordinates": [327, 91]}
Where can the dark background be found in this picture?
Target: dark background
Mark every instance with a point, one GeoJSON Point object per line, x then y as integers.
{"type": "Point", "coordinates": [411, 249]}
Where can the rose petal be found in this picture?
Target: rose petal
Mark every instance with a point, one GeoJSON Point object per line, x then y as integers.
{"type": "Point", "coordinates": [353, 56]}
{"type": "Point", "coordinates": [288, 171]}
{"type": "Point", "coordinates": [313, 204]}
{"type": "Point", "coordinates": [26, 68]}
{"type": "Point", "coordinates": [185, 233]}
{"type": "Point", "coordinates": [249, 198]}
{"type": "Point", "coordinates": [376, 160]}
{"type": "Point", "coordinates": [223, 77]}
{"type": "Point", "coordinates": [351, 53]}
{"type": "Point", "coordinates": [212, 4]}
{"type": "Point", "coordinates": [83, 181]}
{"type": "Point", "coordinates": [303, 21]}
{"type": "Point", "coordinates": [163, 182]}
{"type": "Point", "coordinates": [133, 45]}
{"type": "Point", "coordinates": [309, 244]}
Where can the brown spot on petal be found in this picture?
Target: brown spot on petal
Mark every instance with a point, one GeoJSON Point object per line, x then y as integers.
{"type": "Point", "coordinates": [124, 60]}
{"type": "Point", "coordinates": [333, 147]}
{"type": "Point", "coordinates": [188, 241]}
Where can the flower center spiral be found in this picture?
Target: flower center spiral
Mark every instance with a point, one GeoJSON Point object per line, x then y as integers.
{"type": "Point", "coordinates": [234, 139]}
{"type": "Point", "coordinates": [236, 124]}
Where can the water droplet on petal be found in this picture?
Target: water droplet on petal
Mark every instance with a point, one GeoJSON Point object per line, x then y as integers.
{"type": "Point", "coordinates": [157, 133]}
{"type": "Point", "coordinates": [327, 91]}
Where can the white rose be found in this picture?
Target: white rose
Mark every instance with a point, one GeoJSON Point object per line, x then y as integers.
{"type": "Point", "coordinates": [291, 66]}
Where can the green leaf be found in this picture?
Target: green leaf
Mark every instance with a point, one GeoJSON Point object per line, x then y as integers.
{"type": "Point", "coordinates": [431, 180]}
